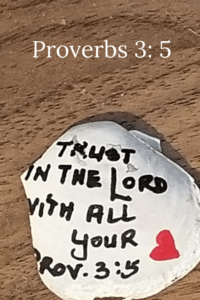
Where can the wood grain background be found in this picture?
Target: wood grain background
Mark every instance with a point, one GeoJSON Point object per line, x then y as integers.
{"type": "Point", "coordinates": [40, 98]}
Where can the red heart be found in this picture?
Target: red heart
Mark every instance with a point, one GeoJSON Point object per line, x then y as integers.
{"type": "Point", "coordinates": [166, 247]}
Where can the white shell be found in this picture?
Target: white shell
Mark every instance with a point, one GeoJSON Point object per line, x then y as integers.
{"type": "Point", "coordinates": [159, 221]}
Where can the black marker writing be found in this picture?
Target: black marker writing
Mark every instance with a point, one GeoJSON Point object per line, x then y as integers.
{"type": "Point", "coordinates": [124, 217]}
{"type": "Point", "coordinates": [105, 272]}
{"type": "Point", "coordinates": [41, 173]}
{"type": "Point", "coordinates": [160, 184]}
{"type": "Point", "coordinates": [98, 155]}
{"type": "Point", "coordinates": [112, 154]}
{"type": "Point", "coordinates": [113, 194]}
{"type": "Point", "coordinates": [65, 169]}
{"type": "Point", "coordinates": [52, 205]}
{"type": "Point", "coordinates": [78, 176]}
{"type": "Point", "coordinates": [127, 237]}
{"type": "Point", "coordinates": [130, 266]}
{"type": "Point", "coordinates": [80, 149]}
{"type": "Point", "coordinates": [127, 152]}
{"type": "Point", "coordinates": [82, 242]}
{"type": "Point", "coordinates": [59, 269]}
{"type": "Point", "coordinates": [64, 147]}
{"type": "Point", "coordinates": [29, 172]}
{"type": "Point", "coordinates": [96, 211]}
{"type": "Point", "coordinates": [101, 268]}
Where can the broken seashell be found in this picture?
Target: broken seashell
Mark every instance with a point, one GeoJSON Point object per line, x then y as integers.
{"type": "Point", "coordinates": [100, 231]}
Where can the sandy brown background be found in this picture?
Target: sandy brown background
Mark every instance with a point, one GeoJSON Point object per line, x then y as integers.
{"type": "Point", "coordinates": [40, 98]}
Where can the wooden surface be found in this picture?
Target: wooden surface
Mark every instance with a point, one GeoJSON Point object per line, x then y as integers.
{"type": "Point", "coordinates": [40, 98]}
